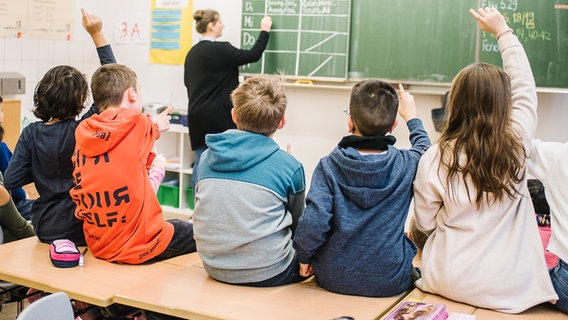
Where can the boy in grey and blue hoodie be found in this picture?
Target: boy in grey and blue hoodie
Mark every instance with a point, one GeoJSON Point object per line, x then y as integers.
{"type": "Point", "coordinates": [250, 193]}
{"type": "Point", "coordinates": [352, 232]}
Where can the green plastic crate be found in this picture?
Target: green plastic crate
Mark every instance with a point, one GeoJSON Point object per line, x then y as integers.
{"type": "Point", "coordinates": [168, 195]}
{"type": "Point", "coordinates": [190, 203]}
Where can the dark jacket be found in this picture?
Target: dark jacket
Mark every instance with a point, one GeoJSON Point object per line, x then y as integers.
{"type": "Point", "coordinates": [211, 73]}
{"type": "Point", "coordinates": [352, 230]}
{"type": "Point", "coordinates": [43, 156]}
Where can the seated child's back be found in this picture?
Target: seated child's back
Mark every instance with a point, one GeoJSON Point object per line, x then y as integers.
{"type": "Point", "coordinates": [352, 231]}
{"type": "Point", "coordinates": [249, 193]}
{"type": "Point", "coordinates": [122, 218]}
{"type": "Point", "coordinates": [43, 153]}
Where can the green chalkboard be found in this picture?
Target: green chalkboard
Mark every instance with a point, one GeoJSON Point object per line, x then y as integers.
{"type": "Point", "coordinates": [542, 28]}
{"type": "Point", "coordinates": [422, 41]}
{"type": "Point", "coordinates": [309, 38]}
{"type": "Point", "coordinates": [431, 40]}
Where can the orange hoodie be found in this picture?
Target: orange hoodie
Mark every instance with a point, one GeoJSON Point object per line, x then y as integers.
{"type": "Point", "coordinates": [122, 218]}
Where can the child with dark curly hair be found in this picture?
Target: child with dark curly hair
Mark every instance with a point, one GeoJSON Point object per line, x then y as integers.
{"type": "Point", "coordinates": [44, 149]}
{"type": "Point", "coordinates": [43, 153]}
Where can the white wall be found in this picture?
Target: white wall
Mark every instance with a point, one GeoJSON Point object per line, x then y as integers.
{"type": "Point", "coordinates": [316, 121]}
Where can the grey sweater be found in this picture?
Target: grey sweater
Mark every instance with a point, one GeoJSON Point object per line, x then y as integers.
{"type": "Point", "coordinates": [249, 196]}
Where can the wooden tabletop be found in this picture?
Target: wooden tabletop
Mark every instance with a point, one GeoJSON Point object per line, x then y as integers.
{"type": "Point", "coordinates": [26, 262]}
{"type": "Point", "coordinates": [543, 311]}
{"type": "Point", "coordinates": [417, 295]}
{"type": "Point", "coordinates": [181, 287]}
{"type": "Point", "coordinates": [191, 293]}
{"type": "Point", "coordinates": [186, 260]}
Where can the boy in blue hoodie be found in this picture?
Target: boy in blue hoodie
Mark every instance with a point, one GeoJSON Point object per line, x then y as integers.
{"type": "Point", "coordinates": [352, 232]}
{"type": "Point", "coordinates": [250, 193]}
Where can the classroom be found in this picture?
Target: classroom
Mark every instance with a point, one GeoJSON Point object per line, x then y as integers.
{"type": "Point", "coordinates": [315, 123]}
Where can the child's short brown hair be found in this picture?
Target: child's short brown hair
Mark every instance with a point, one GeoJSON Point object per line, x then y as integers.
{"type": "Point", "coordinates": [373, 107]}
{"type": "Point", "coordinates": [259, 104]}
{"type": "Point", "coordinates": [109, 82]}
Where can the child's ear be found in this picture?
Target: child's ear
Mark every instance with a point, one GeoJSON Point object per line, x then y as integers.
{"type": "Point", "coordinates": [394, 125]}
{"type": "Point", "coordinates": [234, 115]}
{"type": "Point", "coordinates": [282, 122]}
{"type": "Point", "coordinates": [132, 95]}
{"type": "Point", "coordinates": [350, 125]}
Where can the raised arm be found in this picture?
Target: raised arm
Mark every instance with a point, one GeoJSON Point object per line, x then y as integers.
{"type": "Point", "coordinates": [517, 66]}
{"type": "Point", "coordinates": [239, 57]}
{"type": "Point", "coordinates": [418, 135]}
{"type": "Point", "coordinates": [94, 26]}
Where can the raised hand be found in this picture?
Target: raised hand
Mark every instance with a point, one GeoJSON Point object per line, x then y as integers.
{"type": "Point", "coordinates": [490, 20]}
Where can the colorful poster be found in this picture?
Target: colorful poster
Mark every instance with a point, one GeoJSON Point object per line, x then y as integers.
{"type": "Point", "coordinates": [170, 31]}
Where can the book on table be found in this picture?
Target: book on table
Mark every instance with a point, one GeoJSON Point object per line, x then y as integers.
{"type": "Point", "coordinates": [419, 311]}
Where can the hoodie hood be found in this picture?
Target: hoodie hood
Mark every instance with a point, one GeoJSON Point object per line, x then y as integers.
{"type": "Point", "coordinates": [101, 132]}
{"type": "Point", "coordinates": [237, 150]}
{"type": "Point", "coordinates": [366, 179]}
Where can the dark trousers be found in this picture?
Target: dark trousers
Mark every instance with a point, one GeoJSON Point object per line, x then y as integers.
{"type": "Point", "coordinates": [182, 241]}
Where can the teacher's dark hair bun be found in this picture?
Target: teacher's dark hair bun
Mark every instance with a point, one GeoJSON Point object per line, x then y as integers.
{"type": "Point", "coordinates": [203, 18]}
{"type": "Point", "coordinates": [198, 15]}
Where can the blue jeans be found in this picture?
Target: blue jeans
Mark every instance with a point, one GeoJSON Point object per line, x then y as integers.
{"type": "Point", "coordinates": [182, 241]}
{"type": "Point", "coordinates": [24, 206]}
{"type": "Point", "coordinates": [559, 277]}
{"type": "Point", "coordinates": [198, 152]}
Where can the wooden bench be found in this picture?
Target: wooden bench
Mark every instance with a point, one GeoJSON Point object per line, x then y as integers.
{"type": "Point", "coordinates": [543, 311]}
{"type": "Point", "coordinates": [181, 287]}
{"type": "Point", "coordinates": [417, 295]}
{"type": "Point", "coordinates": [191, 293]}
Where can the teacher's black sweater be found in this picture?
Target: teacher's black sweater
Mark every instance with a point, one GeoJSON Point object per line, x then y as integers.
{"type": "Point", "coordinates": [210, 74]}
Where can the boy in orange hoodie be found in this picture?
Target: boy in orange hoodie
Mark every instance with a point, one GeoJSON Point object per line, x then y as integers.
{"type": "Point", "coordinates": [122, 219]}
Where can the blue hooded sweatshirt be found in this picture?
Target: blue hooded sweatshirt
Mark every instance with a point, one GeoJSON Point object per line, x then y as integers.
{"type": "Point", "coordinates": [352, 230]}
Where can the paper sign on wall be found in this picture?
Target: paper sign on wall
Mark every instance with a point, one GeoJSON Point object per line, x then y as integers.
{"type": "Point", "coordinates": [163, 4]}
{"type": "Point", "coordinates": [131, 29]}
{"type": "Point", "coordinates": [37, 19]}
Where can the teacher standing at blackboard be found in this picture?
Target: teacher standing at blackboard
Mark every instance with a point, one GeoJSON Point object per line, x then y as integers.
{"type": "Point", "coordinates": [211, 73]}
